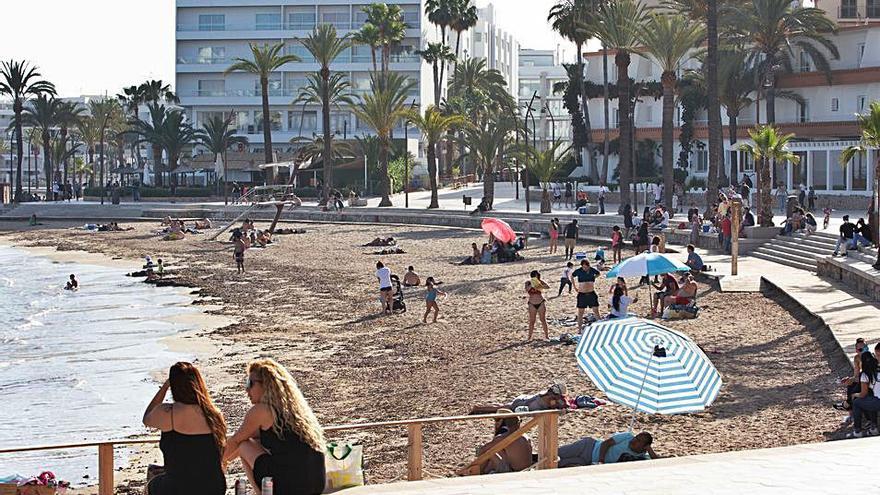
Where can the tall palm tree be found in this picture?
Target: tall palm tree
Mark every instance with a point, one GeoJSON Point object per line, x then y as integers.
{"type": "Point", "coordinates": [20, 81]}
{"type": "Point", "coordinates": [325, 46]}
{"type": "Point", "coordinates": [669, 40]}
{"type": "Point", "coordinates": [434, 126]}
{"type": "Point", "coordinates": [69, 114]}
{"type": "Point", "coordinates": [617, 25]}
{"type": "Point", "coordinates": [175, 135]}
{"type": "Point", "coordinates": [90, 133]}
{"type": "Point", "coordinates": [768, 146]}
{"type": "Point", "coordinates": [869, 124]}
{"type": "Point", "coordinates": [485, 143]}
{"type": "Point", "coordinates": [104, 112]}
{"type": "Point", "coordinates": [544, 165]}
{"type": "Point", "coordinates": [149, 132]}
{"type": "Point", "coordinates": [388, 19]}
{"type": "Point", "coordinates": [382, 109]}
{"type": "Point", "coordinates": [464, 18]}
{"type": "Point", "coordinates": [569, 19]}
{"type": "Point", "coordinates": [773, 29]}
{"type": "Point", "coordinates": [437, 54]}
{"type": "Point", "coordinates": [368, 35]}
{"type": "Point", "coordinates": [265, 60]}
{"type": "Point", "coordinates": [157, 91]}
{"type": "Point", "coordinates": [42, 113]}
{"type": "Point", "coordinates": [479, 86]}
{"type": "Point", "coordinates": [441, 14]}
{"type": "Point", "coordinates": [218, 135]}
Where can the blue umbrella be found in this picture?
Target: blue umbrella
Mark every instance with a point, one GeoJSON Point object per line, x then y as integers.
{"type": "Point", "coordinates": [646, 366]}
{"type": "Point", "coordinates": [647, 264]}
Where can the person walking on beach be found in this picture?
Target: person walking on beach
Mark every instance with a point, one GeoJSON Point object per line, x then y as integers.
{"type": "Point", "coordinates": [383, 273]}
{"type": "Point", "coordinates": [587, 298]}
{"type": "Point", "coordinates": [565, 280]}
{"type": "Point", "coordinates": [537, 304]}
{"type": "Point", "coordinates": [239, 247]}
{"type": "Point", "coordinates": [280, 437]}
{"type": "Point", "coordinates": [554, 235]}
{"type": "Point", "coordinates": [193, 435]}
{"type": "Point", "coordinates": [431, 299]}
{"type": "Point", "coordinates": [571, 236]}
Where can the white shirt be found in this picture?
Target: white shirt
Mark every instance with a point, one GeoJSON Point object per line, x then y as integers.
{"type": "Point", "coordinates": [665, 221]}
{"type": "Point", "coordinates": [602, 191]}
{"type": "Point", "coordinates": [658, 192]}
{"type": "Point", "coordinates": [625, 301]}
{"type": "Point", "coordinates": [566, 274]}
{"type": "Point", "coordinates": [384, 275]}
{"type": "Point", "coordinates": [875, 387]}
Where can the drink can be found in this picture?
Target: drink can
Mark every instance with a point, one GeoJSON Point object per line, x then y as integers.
{"type": "Point", "coordinates": [267, 486]}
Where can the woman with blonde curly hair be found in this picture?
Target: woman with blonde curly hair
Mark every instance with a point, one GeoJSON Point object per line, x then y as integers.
{"type": "Point", "coordinates": [280, 436]}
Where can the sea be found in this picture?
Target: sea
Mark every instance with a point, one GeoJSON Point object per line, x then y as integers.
{"type": "Point", "coordinates": [78, 366]}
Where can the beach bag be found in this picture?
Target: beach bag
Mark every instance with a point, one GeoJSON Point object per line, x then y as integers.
{"type": "Point", "coordinates": [680, 312]}
{"type": "Point", "coordinates": [345, 466]}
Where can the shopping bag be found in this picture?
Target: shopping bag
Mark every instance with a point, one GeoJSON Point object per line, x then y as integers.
{"type": "Point", "coordinates": [345, 466]}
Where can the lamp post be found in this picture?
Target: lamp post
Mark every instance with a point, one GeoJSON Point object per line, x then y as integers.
{"type": "Point", "coordinates": [515, 113]}
{"type": "Point", "coordinates": [552, 120]}
{"type": "Point", "coordinates": [12, 193]}
{"type": "Point", "coordinates": [406, 159]}
{"type": "Point", "coordinates": [534, 141]}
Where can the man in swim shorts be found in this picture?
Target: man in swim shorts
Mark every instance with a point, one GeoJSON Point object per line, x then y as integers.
{"type": "Point", "coordinates": [584, 279]}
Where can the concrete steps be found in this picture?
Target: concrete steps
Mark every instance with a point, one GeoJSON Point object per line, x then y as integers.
{"type": "Point", "coordinates": [803, 251]}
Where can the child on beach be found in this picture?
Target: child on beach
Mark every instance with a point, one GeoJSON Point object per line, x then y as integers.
{"type": "Point", "coordinates": [599, 258]}
{"type": "Point", "coordinates": [160, 268]}
{"type": "Point", "coordinates": [616, 245]}
{"type": "Point", "coordinates": [566, 278]}
{"type": "Point", "coordinates": [431, 299]}
{"type": "Point", "coordinates": [72, 284]}
{"type": "Point", "coordinates": [238, 252]}
{"type": "Point", "coordinates": [554, 235]}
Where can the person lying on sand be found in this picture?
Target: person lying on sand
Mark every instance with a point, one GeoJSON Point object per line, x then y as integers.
{"type": "Point", "coordinates": [264, 238]}
{"type": "Point", "coordinates": [391, 250]}
{"type": "Point", "coordinates": [72, 284]}
{"type": "Point", "coordinates": [381, 242]}
{"type": "Point", "coordinates": [166, 220]}
{"type": "Point", "coordinates": [203, 224]}
{"type": "Point", "coordinates": [516, 456]}
{"type": "Point", "coordinates": [552, 398]}
{"type": "Point", "coordinates": [620, 447]}
{"type": "Point", "coordinates": [411, 278]}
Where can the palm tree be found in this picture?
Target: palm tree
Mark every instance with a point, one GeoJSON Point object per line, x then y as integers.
{"type": "Point", "coordinates": [150, 132]}
{"type": "Point", "coordinates": [20, 82]}
{"type": "Point", "coordinates": [569, 19]}
{"type": "Point", "coordinates": [69, 114]}
{"type": "Point", "coordinates": [388, 19]}
{"type": "Point", "coordinates": [769, 146]}
{"type": "Point", "coordinates": [485, 143]}
{"type": "Point", "coordinates": [869, 124]}
{"type": "Point", "coordinates": [382, 109]}
{"type": "Point", "coordinates": [264, 61]}
{"type": "Point", "coordinates": [218, 135]}
{"type": "Point", "coordinates": [669, 40]}
{"type": "Point", "coordinates": [617, 26]}
{"type": "Point", "coordinates": [437, 54]}
{"type": "Point", "coordinates": [104, 112]}
{"type": "Point", "coordinates": [441, 14]}
{"type": "Point", "coordinates": [325, 46]}
{"type": "Point", "coordinates": [544, 165]}
{"type": "Point", "coordinates": [90, 133]}
{"type": "Point", "coordinates": [479, 86]}
{"type": "Point", "coordinates": [313, 149]}
{"type": "Point", "coordinates": [773, 29]}
{"type": "Point", "coordinates": [175, 135]}
{"type": "Point", "coordinates": [464, 18]}
{"type": "Point", "coordinates": [157, 91]}
{"type": "Point", "coordinates": [434, 126]}
{"type": "Point", "coordinates": [368, 35]}
{"type": "Point", "coordinates": [42, 113]}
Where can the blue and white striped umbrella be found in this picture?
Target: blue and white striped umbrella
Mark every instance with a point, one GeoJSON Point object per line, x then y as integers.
{"type": "Point", "coordinates": [619, 357]}
{"type": "Point", "coordinates": [647, 264]}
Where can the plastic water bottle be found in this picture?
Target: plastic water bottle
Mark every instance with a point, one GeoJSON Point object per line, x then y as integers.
{"type": "Point", "coordinates": [241, 486]}
{"type": "Point", "coordinates": [268, 487]}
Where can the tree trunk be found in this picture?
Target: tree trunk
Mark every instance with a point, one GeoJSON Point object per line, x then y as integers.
{"type": "Point", "coordinates": [157, 165]}
{"type": "Point", "coordinates": [92, 163]}
{"type": "Point", "coordinates": [19, 147]}
{"type": "Point", "coordinates": [771, 105]}
{"type": "Point", "coordinates": [668, 81]}
{"type": "Point", "coordinates": [432, 173]}
{"type": "Point", "coordinates": [373, 54]}
{"type": "Point", "coordinates": [450, 150]}
{"type": "Point", "coordinates": [65, 161]}
{"type": "Point", "coordinates": [716, 157]}
{"type": "Point", "coordinates": [624, 168]}
{"type": "Point", "coordinates": [102, 185]}
{"type": "Point", "coordinates": [327, 157]}
{"type": "Point", "coordinates": [437, 87]}
{"type": "Point", "coordinates": [267, 130]}
{"type": "Point", "coordinates": [489, 184]}
{"type": "Point", "coordinates": [766, 202]}
{"type": "Point", "coordinates": [605, 141]}
{"type": "Point", "coordinates": [47, 164]}
{"type": "Point", "coordinates": [734, 165]}
{"type": "Point", "coordinates": [385, 182]}
{"type": "Point", "coordinates": [443, 62]}
{"type": "Point", "coordinates": [225, 180]}
{"type": "Point", "coordinates": [588, 128]}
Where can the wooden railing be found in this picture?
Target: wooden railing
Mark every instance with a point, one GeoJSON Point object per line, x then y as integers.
{"type": "Point", "coordinates": [546, 422]}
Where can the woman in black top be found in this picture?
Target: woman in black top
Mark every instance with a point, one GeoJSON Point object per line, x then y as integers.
{"type": "Point", "coordinates": [193, 436]}
{"type": "Point", "coordinates": [280, 436]}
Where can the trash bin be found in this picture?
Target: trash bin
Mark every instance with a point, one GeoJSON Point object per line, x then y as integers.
{"type": "Point", "coordinates": [115, 196]}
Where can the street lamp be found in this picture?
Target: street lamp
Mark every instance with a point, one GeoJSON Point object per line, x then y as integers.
{"type": "Point", "coordinates": [406, 158]}
{"type": "Point", "coordinates": [534, 141]}
{"type": "Point", "coordinates": [552, 120]}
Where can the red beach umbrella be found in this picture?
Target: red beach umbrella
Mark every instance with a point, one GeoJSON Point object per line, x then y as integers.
{"type": "Point", "coordinates": [498, 228]}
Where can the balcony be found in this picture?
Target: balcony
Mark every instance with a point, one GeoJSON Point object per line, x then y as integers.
{"type": "Point", "coordinates": [203, 60]}
{"type": "Point", "coordinates": [342, 25]}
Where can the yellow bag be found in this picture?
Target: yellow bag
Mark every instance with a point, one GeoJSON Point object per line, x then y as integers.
{"type": "Point", "coordinates": [345, 466]}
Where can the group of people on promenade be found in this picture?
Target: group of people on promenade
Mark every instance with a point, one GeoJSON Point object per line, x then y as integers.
{"type": "Point", "coordinates": [862, 399]}
{"type": "Point", "coordinates": [279, 438]}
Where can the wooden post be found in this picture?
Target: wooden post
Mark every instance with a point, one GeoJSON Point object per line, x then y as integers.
{"type": "Point", "coordinates": [548, 441]}
{"type": "Point", "coordinates": [736, 221]}
{"type": "Point", "coordinates": [105, 469]}
{"type": "Point", "coordinates": [414, 451]}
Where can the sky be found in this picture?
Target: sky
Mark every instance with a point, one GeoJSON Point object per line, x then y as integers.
{"type": "Point", "coordinates": [95, 47]}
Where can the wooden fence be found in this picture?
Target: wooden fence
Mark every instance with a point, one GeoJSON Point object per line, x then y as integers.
{"type": "Point", "coordinates": [546, 422]}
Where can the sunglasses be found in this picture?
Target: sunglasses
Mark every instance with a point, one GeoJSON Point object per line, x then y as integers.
{"type": "Point", "coordinates": [250, 383]}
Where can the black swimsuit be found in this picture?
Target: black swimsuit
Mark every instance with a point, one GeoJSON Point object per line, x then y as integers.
{"type": "Point", "coordinates": [295, 467]}
{"type": "Point", "coordinates": [192, 465]}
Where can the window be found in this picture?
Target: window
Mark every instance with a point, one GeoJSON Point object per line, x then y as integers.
{"type": "Point", "coordinates": [820, 169]}
{"type": "Point", "coordinates": [212, 22]}
{"type": "Point", "coordinates": [838, 172]}
{"type": "Point", "coordinates": [339, 19]}
{"type": "Point", "coordinates": [412, 18]}
{"type": "Point", "coordinates": [747, 164]}
{"type": "Point", "coordinates": [804, 111]}
{"type": "Point", "coordinates": [861, 101]}
{"type": "Point", "coordinates": [301, 20]}
{"type": "Point", "coordinates": [211, 55]}
{"type": "Point", "coordinates": [848, 9]}
{"type": "Point", "coordinates": [805, 62]}
{"type": "Point", "coordinates": [649, 113]}
{"type": "Point", "coordinates": [615, 118]}
{"type": "Point", "coordinates": [274, 120]}
{"type": "Point", "coordinates": [859, 167]}
{"type": "Point", "coordinates": [212, 87]}
{"type": "Point", "coordinates": [701, 161]}
{"type": "Point", "coordinates": [478, 37]}
{"type": "Point", "coordinates": [275, 86]}
{"type": "Point", "coordinates": [300, 51]}
{"type": "Point", "coordinates": [872, 9]}
{"type": "Point", "coordinates": [361, 54]}
{"type": "Point", "coordinates": [835, 104]}
{"type": "Point", "coordinates": [340, 122]}
{"type": "Point", "coordinates": [307, 121]}
{"type": "Point", "coordinates": [527, 87]}
{"type": "Point", "coordinates": [360, 17]}
{"type": "Point", "coordinates": [268, 22]}
{"type": "Point", "coordinates": [861, 53]}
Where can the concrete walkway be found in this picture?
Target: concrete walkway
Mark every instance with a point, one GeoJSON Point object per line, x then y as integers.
{"type": "Point", "coordinates": [820, 468]}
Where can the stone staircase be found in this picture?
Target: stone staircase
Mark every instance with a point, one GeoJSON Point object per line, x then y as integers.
{"type": "Point", "coordinates": [802, 251]}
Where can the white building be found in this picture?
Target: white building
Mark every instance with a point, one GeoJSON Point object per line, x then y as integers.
{"type": "Point", "coordinates": [539, 70]}
{"type": "Point", "coordinates": [210, 34]}
{"type": "Point", "coordinates": [490, 41]}
{"type": "Point", "coordinates": [823, 126]}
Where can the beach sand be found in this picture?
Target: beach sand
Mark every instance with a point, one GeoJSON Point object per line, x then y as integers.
{"type": "Point", "coordinates": [310, 301]}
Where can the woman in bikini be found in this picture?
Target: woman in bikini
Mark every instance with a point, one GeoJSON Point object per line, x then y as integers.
{"type": "Point", "coordinates": [537, 304]}
{"type": "Point", "coordinates": [554, 235]}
